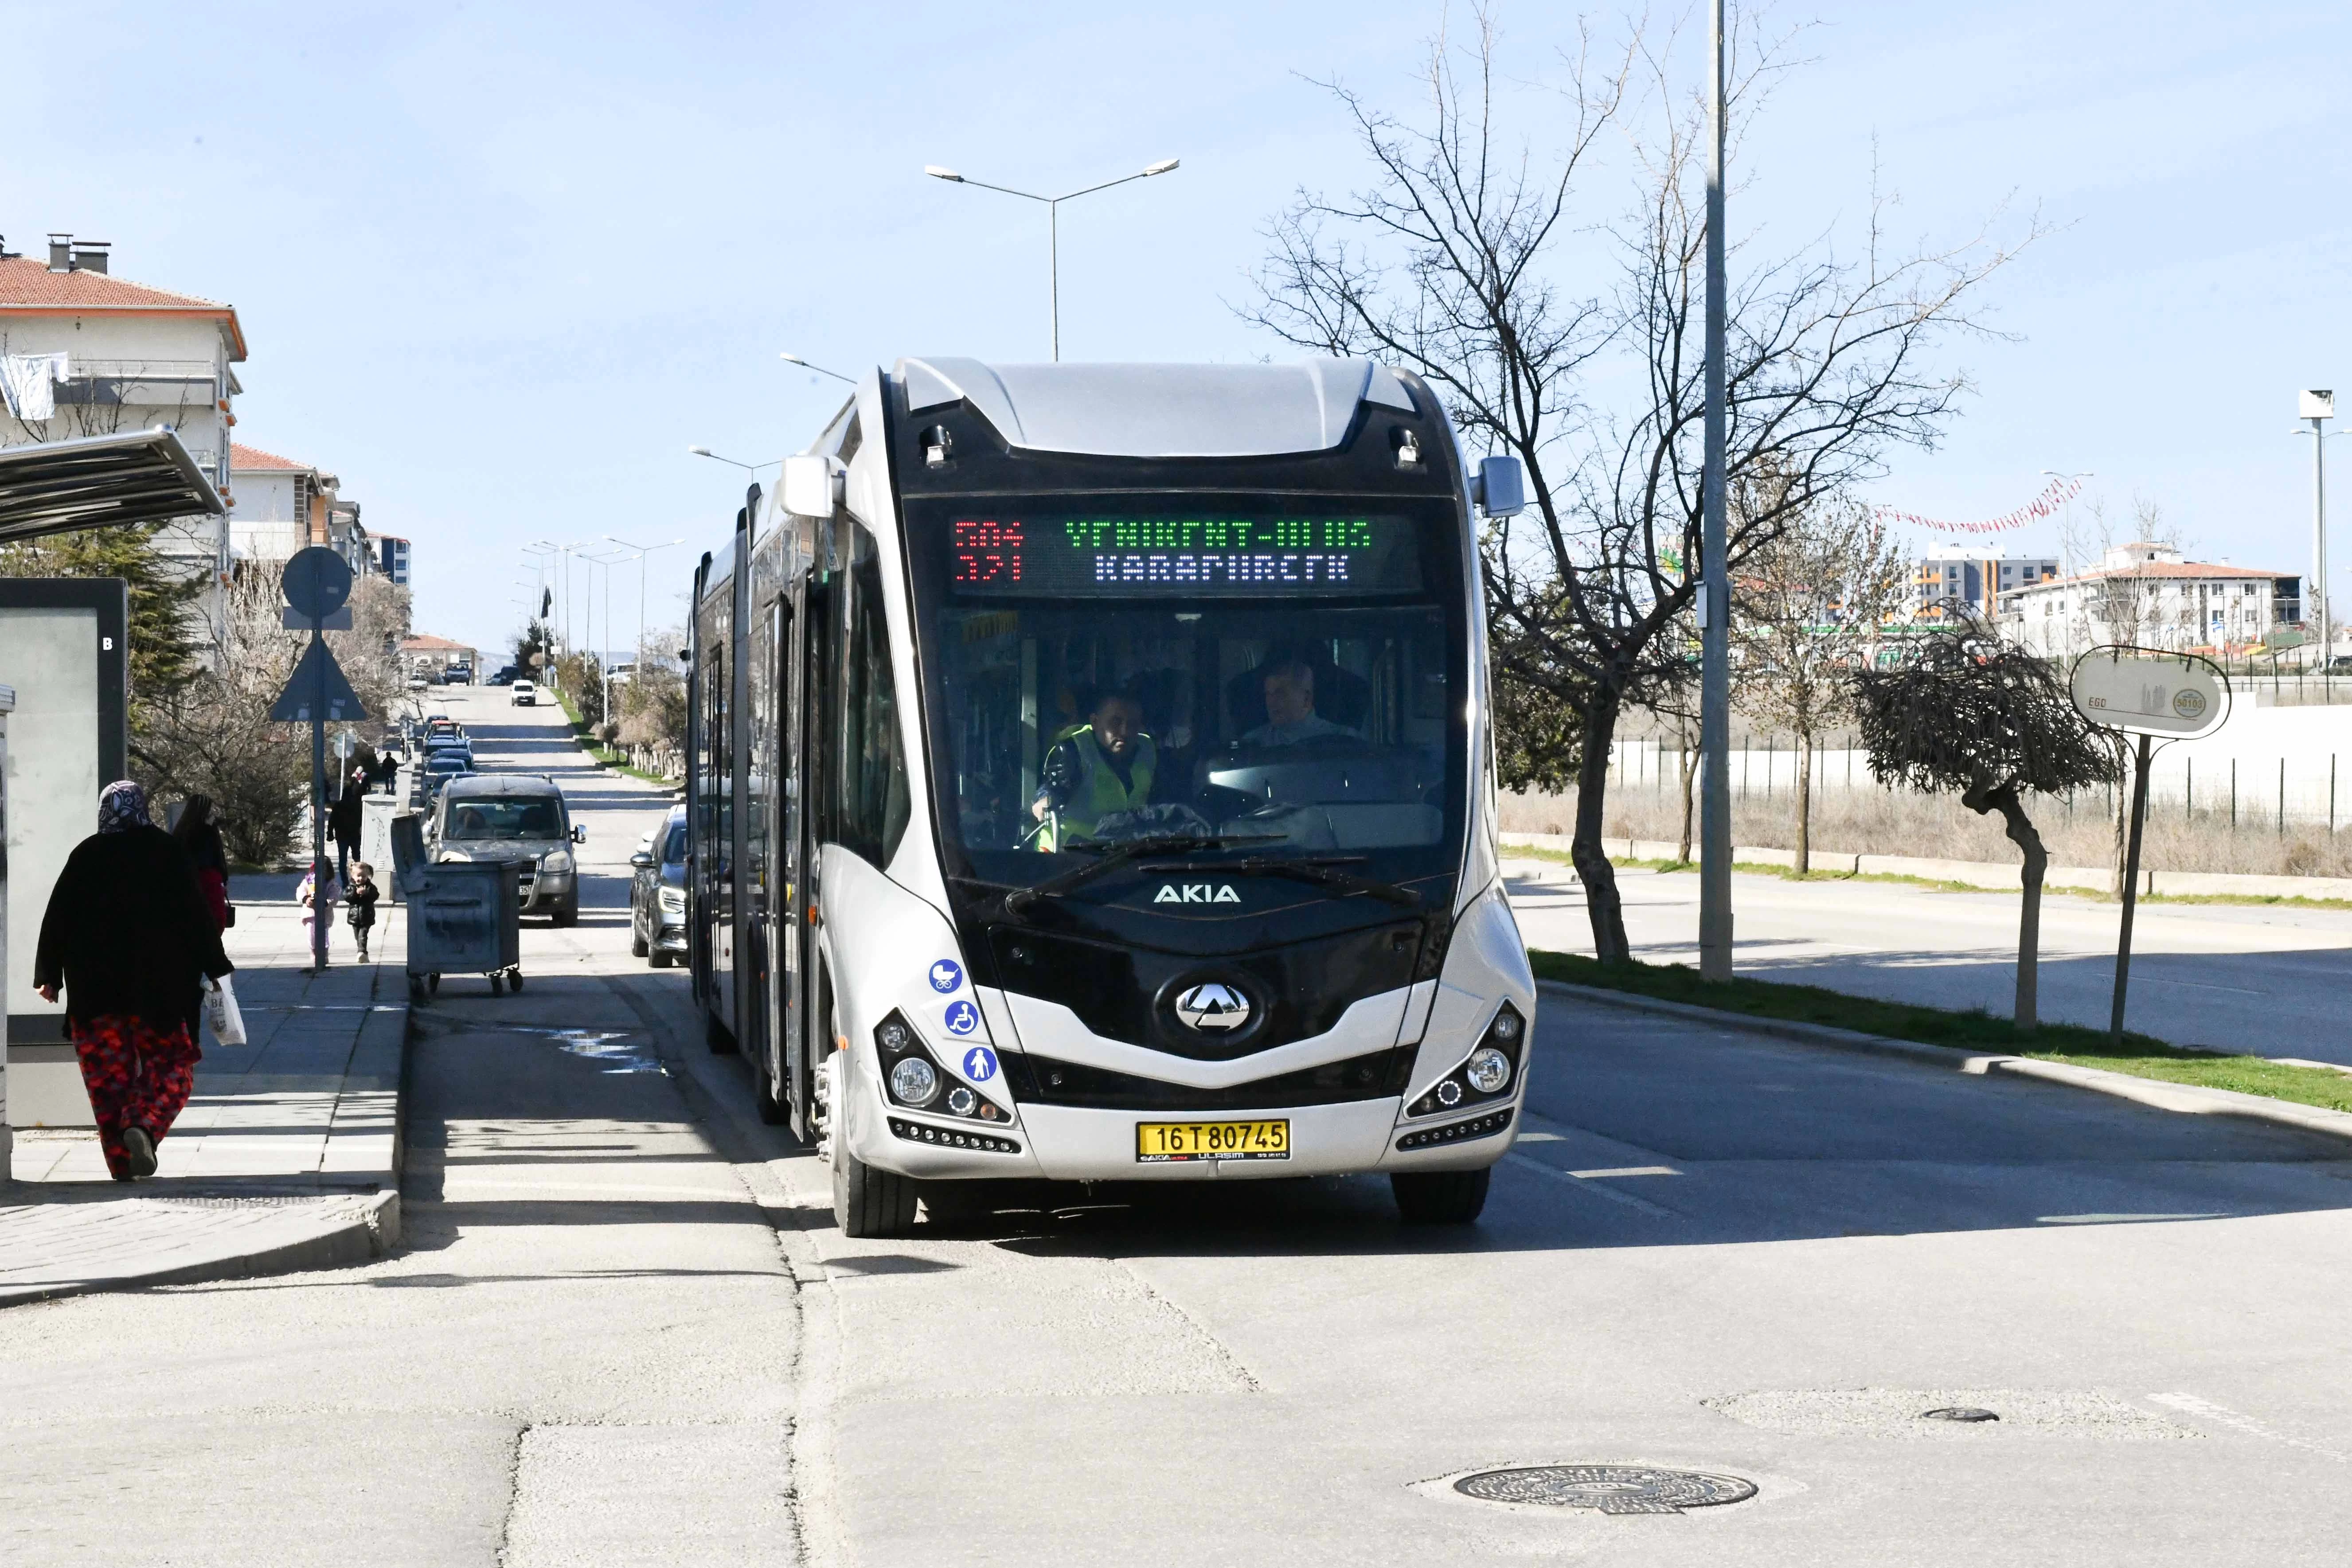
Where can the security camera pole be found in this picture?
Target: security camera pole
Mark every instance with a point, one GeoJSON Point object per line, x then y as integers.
{"type": "Point", "coordinates": [2318, 407]}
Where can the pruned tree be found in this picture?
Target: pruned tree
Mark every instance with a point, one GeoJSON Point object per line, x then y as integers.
{"type": "Point", "coordinates": [1967, 714]}
{"type": "Point", "coordinates": [1449, 263]}
{"type": "Point", "coordinates": [1811, 606]}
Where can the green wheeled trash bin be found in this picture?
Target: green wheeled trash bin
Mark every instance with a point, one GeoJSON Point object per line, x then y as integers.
{"type": "Point", "coordinates": [464, 916]}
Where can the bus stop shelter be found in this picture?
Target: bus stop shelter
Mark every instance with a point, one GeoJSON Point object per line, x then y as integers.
{"type": "Point", "coordinates": [65, 656]}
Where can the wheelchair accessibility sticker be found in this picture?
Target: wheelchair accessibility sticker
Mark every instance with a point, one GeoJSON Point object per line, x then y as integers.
{"type": "Point", "coordinates": [962, 1019]}
{"type": "Point", "coordinates": [980, 1064]}
{"type": "Point", "coordinates": [946, 976]}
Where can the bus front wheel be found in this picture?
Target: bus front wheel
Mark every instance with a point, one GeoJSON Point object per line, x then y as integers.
{"type": "Point", "coordinates": [1440, 1197]}
{"type": "Point", "coordinates": [869, 1203]}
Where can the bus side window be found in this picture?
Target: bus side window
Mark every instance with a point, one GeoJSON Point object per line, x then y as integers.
{"type": "Point", "coordinates": [873, 803]}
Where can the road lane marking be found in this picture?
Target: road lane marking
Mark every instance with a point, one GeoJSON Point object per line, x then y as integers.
{"type": "Point", "coordinates": [1625, 1171]}
{"type": "Point", "coordinates": [2221, 1416]}
{"type": "Point", "coordinates": [1598, 1189]}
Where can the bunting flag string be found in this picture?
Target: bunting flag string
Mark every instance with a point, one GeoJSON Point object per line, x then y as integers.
{"type": "Point", "coordinates": [2046, 504]}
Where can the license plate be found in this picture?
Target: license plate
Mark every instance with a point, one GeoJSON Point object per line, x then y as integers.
{"type": "Point", "coordinates": [1169, 1143]}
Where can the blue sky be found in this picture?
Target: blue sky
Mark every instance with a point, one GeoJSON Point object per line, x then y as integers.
{"type": "Point", "coordinates": [499, 265]}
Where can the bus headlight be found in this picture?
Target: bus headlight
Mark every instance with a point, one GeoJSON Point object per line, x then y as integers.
{"type": "Point", "coordinates": [913, 1082]}
{"type": "Point", "coordinates": [1489, 1071]}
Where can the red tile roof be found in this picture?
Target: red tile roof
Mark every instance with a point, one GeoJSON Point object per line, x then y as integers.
{"type": "Point", "coordinates": [424, 643]}
{"type": "Point", "coordinates": [242, 457]}
{"type": "Point", "coordinates": [2191, 569]}
{"type": "Point", "coordinates": [27, 283]}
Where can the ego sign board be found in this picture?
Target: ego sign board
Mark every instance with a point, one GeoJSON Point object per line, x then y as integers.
{"type": "Point", "coordinates": [2144, 691]}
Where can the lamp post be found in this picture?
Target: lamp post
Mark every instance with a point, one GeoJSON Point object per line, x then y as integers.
{"type": "Point", "coordinates": [643, 550]}
{"type": "Point", "coordinates": [605, 654]}
{"type": "Point", "coordinates": [806, 365]}
{"type": "Point", "coordinates": [1715, 591]}
{"type": "Point", "coordinates": [1053, 224]}
{"type": "Point", "coordinates": [747, 467]}
{"type": "Point", "coordinates": [2318, 406]}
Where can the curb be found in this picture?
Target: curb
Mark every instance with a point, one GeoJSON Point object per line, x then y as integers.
{"type": "Point", "coordinates": [371, 1231]}
{"type": "Point", "coordinates": [2183, 1098]}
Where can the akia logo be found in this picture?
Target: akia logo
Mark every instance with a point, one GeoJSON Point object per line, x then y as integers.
{"type": "Point", "coordinates": [1195, 892]}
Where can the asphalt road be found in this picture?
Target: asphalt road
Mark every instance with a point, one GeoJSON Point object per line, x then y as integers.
{"type": "Point", "coordinates": [2262, 979]}
{"type": "Point", "coordinates": [627, 1332]}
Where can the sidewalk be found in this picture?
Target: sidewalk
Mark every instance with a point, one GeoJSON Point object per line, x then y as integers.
{"type": "Point", "coordinates": [286, 1157]}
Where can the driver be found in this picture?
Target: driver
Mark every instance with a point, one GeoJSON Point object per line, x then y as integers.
{"type": "Point", "coordinates": [1103, 768]}
{"type": "Point", "coordinates": [1290, 716]}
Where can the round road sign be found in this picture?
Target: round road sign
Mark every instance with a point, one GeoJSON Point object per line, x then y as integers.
{"type": "Point", "coordinates": [317, 582]}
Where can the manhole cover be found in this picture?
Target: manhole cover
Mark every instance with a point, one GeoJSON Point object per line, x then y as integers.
{"type": "Point", "coordinates": [1611, 1489]}
{"type": "Point", "coordinates": [1957, 1413]}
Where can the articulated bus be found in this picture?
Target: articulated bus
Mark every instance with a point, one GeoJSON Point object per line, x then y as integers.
{"type": "Point", "coordinates": [1090, 781]}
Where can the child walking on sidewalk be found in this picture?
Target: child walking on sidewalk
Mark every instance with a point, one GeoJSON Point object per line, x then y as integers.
{"type": "Point", "coordinates": [361, 899]}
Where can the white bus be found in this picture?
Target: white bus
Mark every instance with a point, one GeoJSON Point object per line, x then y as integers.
{"type": "Point", "coordinates": [1090, 781]}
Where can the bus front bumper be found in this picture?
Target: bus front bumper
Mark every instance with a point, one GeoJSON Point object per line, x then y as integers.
{"type": "Point", "coordinates": [1063, 1142]}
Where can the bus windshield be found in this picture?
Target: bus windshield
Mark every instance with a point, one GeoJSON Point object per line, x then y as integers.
{"type": "Point", "coordinates": [1269, 681]}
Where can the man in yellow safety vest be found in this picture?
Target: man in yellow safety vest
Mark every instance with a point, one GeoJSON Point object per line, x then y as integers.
{"type": "Point", "coordinates": [1104, 768]}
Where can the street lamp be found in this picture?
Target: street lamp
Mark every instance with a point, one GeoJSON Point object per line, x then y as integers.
{"type": "Point", "coordinates": [2318, 406]}
{"type": "Point", "coordinates": [605, 654]}
{"type": "Point", "coordinates": [714, 458]}
{"type": "Point", "coordinates": [796, 360]}
{"type": "Point", "coordinates": [1053, 223]}
{"type": "Point", "coordinates": [642, 552]}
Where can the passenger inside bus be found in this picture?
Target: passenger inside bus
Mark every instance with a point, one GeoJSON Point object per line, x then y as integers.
{"type": "Point", "coordinates": [1105, 767]}
{"type": "Point", "coordinates": [1290, 716]}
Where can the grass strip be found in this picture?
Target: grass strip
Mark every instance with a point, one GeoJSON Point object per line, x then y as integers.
{"type": "Point", "coordinates": [1968, 1030]}
{"type": "Point", "coordinates": [1786, 874]}
{"type": "Point", "coordinates": [605, 756]}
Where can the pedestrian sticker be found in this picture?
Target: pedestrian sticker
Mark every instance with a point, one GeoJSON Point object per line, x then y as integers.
{"type": "Point", "coordinates": [962, 1019]}
{"type": "Point", "coordinates": [980, 1064]}
{"type": "Point", "coordinates": [946, 976]}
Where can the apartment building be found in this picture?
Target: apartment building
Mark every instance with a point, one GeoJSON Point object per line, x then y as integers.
{"type": "Point", "coordinates": [392, 558]}
{"type": "Point", "coordinates": [282, 504]}
{"type": "Point", "coordinates": [1945, 587]}
{"type": "Point", "coordinates": [2145, 594]}
{"type": "Point", "coordinates": [93, 354]}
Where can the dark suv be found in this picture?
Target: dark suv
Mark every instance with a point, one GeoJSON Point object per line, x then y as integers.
{"type": "Point", "coordinates": [657, 894]}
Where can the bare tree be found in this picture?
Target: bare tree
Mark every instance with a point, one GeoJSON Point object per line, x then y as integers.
{"type": "Point", "coordinates": [1966, 713]}
{"type": "Point", "coordinates": [1811, 605]}
{"type": "Point", "coordinates": [1445, 264]}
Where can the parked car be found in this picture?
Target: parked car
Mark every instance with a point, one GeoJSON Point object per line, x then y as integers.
{"type": "Point", "coordinates": [504, 676]}
{"type": "Point", "coordinates": [417, 682]}
{"type": "Point", "coordinates": [440, 767]}
{"type": "Point", "coordinates": [518, 817]}
{"type": "Point", "coordinates": [525, 695]}
{"type": "Point", "coordinates": [657, 894]}
{"type": "Point", "coordinates": [460, 675]}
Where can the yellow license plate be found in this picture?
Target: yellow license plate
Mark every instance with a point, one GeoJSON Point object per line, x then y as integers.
{"type": "Point", "coordinates": [1166, 1143]}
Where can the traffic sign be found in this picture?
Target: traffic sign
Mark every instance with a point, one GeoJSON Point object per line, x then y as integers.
{"type": "Point", "coordinates": [317, 582]}
{"type": "Point", "coordinates": [306, 700]}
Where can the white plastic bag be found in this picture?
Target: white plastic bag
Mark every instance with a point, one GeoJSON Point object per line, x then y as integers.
{"type": "Point", "coordinates": [222, 1012]}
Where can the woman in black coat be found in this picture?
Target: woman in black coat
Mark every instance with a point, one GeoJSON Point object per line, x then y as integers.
{"type": "Point", "coordinates": [129, 938]}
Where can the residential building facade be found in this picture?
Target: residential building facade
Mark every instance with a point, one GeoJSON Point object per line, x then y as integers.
{"type": "Point", "coordinates": [2145, 594]}
{"type": "Point", "coordinates": [392, 558]}
{"type": "Point", "coordinates": [133, 356]}
{"type": "Point", "coordinates": [283, 505]}
{"type": "Point", "coordinates": [1947, 588]}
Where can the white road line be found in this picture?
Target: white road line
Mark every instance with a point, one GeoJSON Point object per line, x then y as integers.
{"type": "Point", "coordinates": [2221, 1416]}
{"type": "Point", "coordinates": [1611, 1192]}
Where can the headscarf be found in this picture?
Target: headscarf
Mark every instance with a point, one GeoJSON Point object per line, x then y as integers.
{"type": "Point", "coordinates": [122, 806]}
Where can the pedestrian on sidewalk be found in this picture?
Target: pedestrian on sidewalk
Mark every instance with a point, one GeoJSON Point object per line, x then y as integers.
{"type": "Point", "coordinates": [128, 936]}
{"type": "Point", "coordinates": [317, 904]}
{"type": "Point", "coordinates": [196, 834]}
{"type": "Point", "coordinates": [343, 821]}
{"type": "Point", "coordinates": [362, 898]}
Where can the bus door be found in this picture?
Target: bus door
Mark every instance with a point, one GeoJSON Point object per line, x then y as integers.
{"type": "Point", "coordinates": [799, 768]}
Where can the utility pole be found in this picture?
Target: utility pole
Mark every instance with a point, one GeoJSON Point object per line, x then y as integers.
{"type": "Point", "coordinates": [2318, 407]}
{"type": "Point", "coordinates": [1715, 582]}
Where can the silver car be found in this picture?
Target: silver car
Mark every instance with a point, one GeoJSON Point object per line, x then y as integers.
{"type": "Point", "coordinates": [518, 817]}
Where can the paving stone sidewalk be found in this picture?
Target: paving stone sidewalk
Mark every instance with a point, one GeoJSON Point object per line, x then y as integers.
{"type": "Point", "coordinates": [286, 1157]}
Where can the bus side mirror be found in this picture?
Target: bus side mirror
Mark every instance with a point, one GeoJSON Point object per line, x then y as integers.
{"type": "Point", "coordinates": [812, 484]}
{"type": "Point", "coordinates": [1499, 487]}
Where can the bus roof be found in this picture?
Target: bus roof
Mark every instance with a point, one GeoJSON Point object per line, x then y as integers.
{"type": "Point", "coordinates": [1159, 411]}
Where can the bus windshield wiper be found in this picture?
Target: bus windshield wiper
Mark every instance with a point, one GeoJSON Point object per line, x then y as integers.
{"type": "Point", "coordinates": [1134, 848]}
{"type": "Point", "coordinates": [1323, 871]}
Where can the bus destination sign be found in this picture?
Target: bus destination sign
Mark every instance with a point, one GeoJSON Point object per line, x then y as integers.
{"type": "Point", "coordinates": [1184, 556]}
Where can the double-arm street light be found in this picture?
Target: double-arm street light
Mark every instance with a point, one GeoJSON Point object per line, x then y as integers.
{"type": "Point", "coordinates": [638, 657]}
{"type": "Point", "coordinates": [807, 365]}
{"type": "Point", "coordinates": [747, 467]}
{"type": "Point", "coordinates": [1053, 224]}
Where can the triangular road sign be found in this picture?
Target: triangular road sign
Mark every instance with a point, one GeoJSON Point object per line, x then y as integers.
{"type": "Point", "coordinates": [295, 705]}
